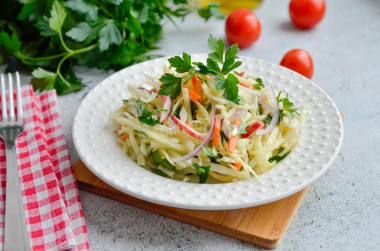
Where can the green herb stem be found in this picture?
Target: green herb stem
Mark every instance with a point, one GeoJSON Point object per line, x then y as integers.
{"type": "Point", "coordinates": [100, 5]}
{"type": "Point", "coordinates": [70, 54]}
{"type": "Point", "coordinates": [22, 56]}
{"type": "Point", "coordinates": [63, 43]}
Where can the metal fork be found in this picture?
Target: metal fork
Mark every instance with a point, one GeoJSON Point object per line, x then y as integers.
{"type": "Point", "coordinates": [15, 232]}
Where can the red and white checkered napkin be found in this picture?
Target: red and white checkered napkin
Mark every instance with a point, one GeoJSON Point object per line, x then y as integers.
{"type": "Point", "coordinates": [51, 200]}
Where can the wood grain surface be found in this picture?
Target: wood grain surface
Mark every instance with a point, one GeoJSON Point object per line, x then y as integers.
{"type": "Point", "coordinates": [263, 225]}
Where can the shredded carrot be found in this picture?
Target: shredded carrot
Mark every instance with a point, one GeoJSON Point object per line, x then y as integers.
{"type": "Point", "coordinates": [215, 141]}
{"type": "Point", "coordinates": [238, 165]}
{"type": "Point", "coordinates": [233, 140]}
{"type": "Point", "coordinates": [244, 85]}
{"type": "Point", "coordinates": [125, 136]}
{"type": "Point", "coordinates": [241, 74]}
{"type": "Point", "coordinates": [196, 83]}
{"type": "Point", "coordinates": [189, 124]}
{"type": "Point", "coordinates": [195, 96]}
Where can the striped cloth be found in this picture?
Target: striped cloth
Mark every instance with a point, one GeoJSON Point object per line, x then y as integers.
{"type": "Point", "coordinates": [52, 204]}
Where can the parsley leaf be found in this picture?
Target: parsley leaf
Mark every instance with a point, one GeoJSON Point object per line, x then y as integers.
{"type": "Point", "coordinates": [217, 46]}
{"type": "Point", "coordinates": [171, 86]}
{"type": "Point", "coordinates": [287, 106]}
{"type": "Point", "coordinates": [202, 172]}
{"type": "Point", "coordinates": [81, 32]}
{"type": "Point", "coordinates": [208, 151]}
{"type": "Point", "coordinates": [145, 115]}
{"type": "Point", "coordinates": [108, 35]}
{"type": "Point", "coordinates": [205, 69]}
{"type": "Point", "coordinates": [58, 15]}
{"type": "Point", "coordinates": [259, 84]}
{"type": "Point", "coordinates": [240, 130]}
{"type": "Point", "coordinates": [43, 25]}
{"type": "Point", "coordinates": [230, 88]}
{"type": "Point", "coordinates": [181, 64]}
{"type": "Point", "coordinates": [11, 43]}
{"type": "Point", "coordinates": [43, 79]}
{"type": "Point", "coordinates": [82, 7]}
{"type": "Point", "coordinates": [127, 101]}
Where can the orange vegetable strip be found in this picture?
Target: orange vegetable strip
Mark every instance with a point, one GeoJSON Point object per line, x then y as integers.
{"type": "Point", "coordinates": [125, 136]}
{"type": "Point", "coordinates": [215, 141]}
{"type": "Point", "coordinates": [238, 165]}
{"type": "Point", "coordinates": [196, 86]}
{"type": "Point", "coordinates": [233, 140]}
{"type": "Point", "coordinates": [245, 85]}
{"type": "Point", "coordinates": [195, 96]}
{"type": "Point", "coordinates": [241, 74]}
{"type": "Point", "coordinates": [189, 124]}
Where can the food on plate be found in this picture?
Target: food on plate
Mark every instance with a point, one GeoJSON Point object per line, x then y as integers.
{"type": "Point", "coordinates": [306, 14]}
{"type": "Point", "coordinates": [242, 28]}
{"type": "Point", "coordinates": [299, 61]}
{"type": "Point", "coordinates": [206, 122]}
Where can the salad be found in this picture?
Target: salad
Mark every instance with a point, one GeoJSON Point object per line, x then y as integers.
{"type": "Point", "coordinates": [207, 122]}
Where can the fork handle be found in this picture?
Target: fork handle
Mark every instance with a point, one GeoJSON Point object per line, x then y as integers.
{"type": "Point", "coordinates": [15, 232]}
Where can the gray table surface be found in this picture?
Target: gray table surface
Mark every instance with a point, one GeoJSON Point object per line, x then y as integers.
{"type": "Point", "coordinates": [341, 210]}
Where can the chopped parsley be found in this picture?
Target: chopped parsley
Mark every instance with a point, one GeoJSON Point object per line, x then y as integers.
{"type": "Point", "coordinates": [259, 84]}
{"type": "Point", "coordinates": [145, 115]}
{"type": "Point", "coordinates": [202, 172]}
{"type": "Point", "coordinates": [208, 151]}
{"type": "Point", "coordinates": [165, 163]}
{"type": "Point", "coordinates": [287, 106]}
{"type": "Point", "coordinates": [159, 172]}
{"type": "Point", "coordinates": [278, 158]}
{"type": "Point", "coordinates": [157, 159]}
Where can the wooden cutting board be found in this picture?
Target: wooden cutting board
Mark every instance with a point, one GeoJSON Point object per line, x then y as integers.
{"type": "Point", "coordinates": [262, 225]}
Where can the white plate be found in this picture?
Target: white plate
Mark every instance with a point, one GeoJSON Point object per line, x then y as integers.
{"type": "Point", "coordinates": [322, 136]}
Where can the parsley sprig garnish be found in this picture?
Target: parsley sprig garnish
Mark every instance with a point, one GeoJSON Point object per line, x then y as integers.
{"type": "Point", "coordinates": [218, 64]}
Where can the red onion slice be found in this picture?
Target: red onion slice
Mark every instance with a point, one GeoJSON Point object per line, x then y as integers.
{"type": "Point", "coordinates": [167, 106]}
{"type": "Point", "coordinates": [267, 106]}
{"type": "Point", "coordinates": [153, 81]}
{"type": "Point", "coordinates": [205, 141]}
{"type": "Point", "coordinates": [144, 89]}
{"type": "Point", "coordinates": [276, 115]}
{"type": "Point", "coordinates": [239, 114]}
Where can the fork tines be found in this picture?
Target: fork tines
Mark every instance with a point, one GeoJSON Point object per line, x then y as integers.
{"type": "Point", "coordinates": [11, 116]}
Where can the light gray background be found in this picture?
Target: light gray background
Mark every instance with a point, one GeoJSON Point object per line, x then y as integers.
{"type": "Point", "coordinates": [342, 209]}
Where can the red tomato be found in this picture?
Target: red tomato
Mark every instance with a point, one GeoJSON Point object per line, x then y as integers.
{"type": "Point", "coordinates": [299, 61]}
{"type": "Point", "coordinates": [306, 14]}
{"type": "Point", "coordinates": [242, 28]}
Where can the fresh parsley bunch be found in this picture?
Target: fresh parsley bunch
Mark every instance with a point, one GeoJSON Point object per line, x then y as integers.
{"type": "Point", "coordinates": [52, 36]}
{"type": "Point", "coordinates": [218, 64]}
